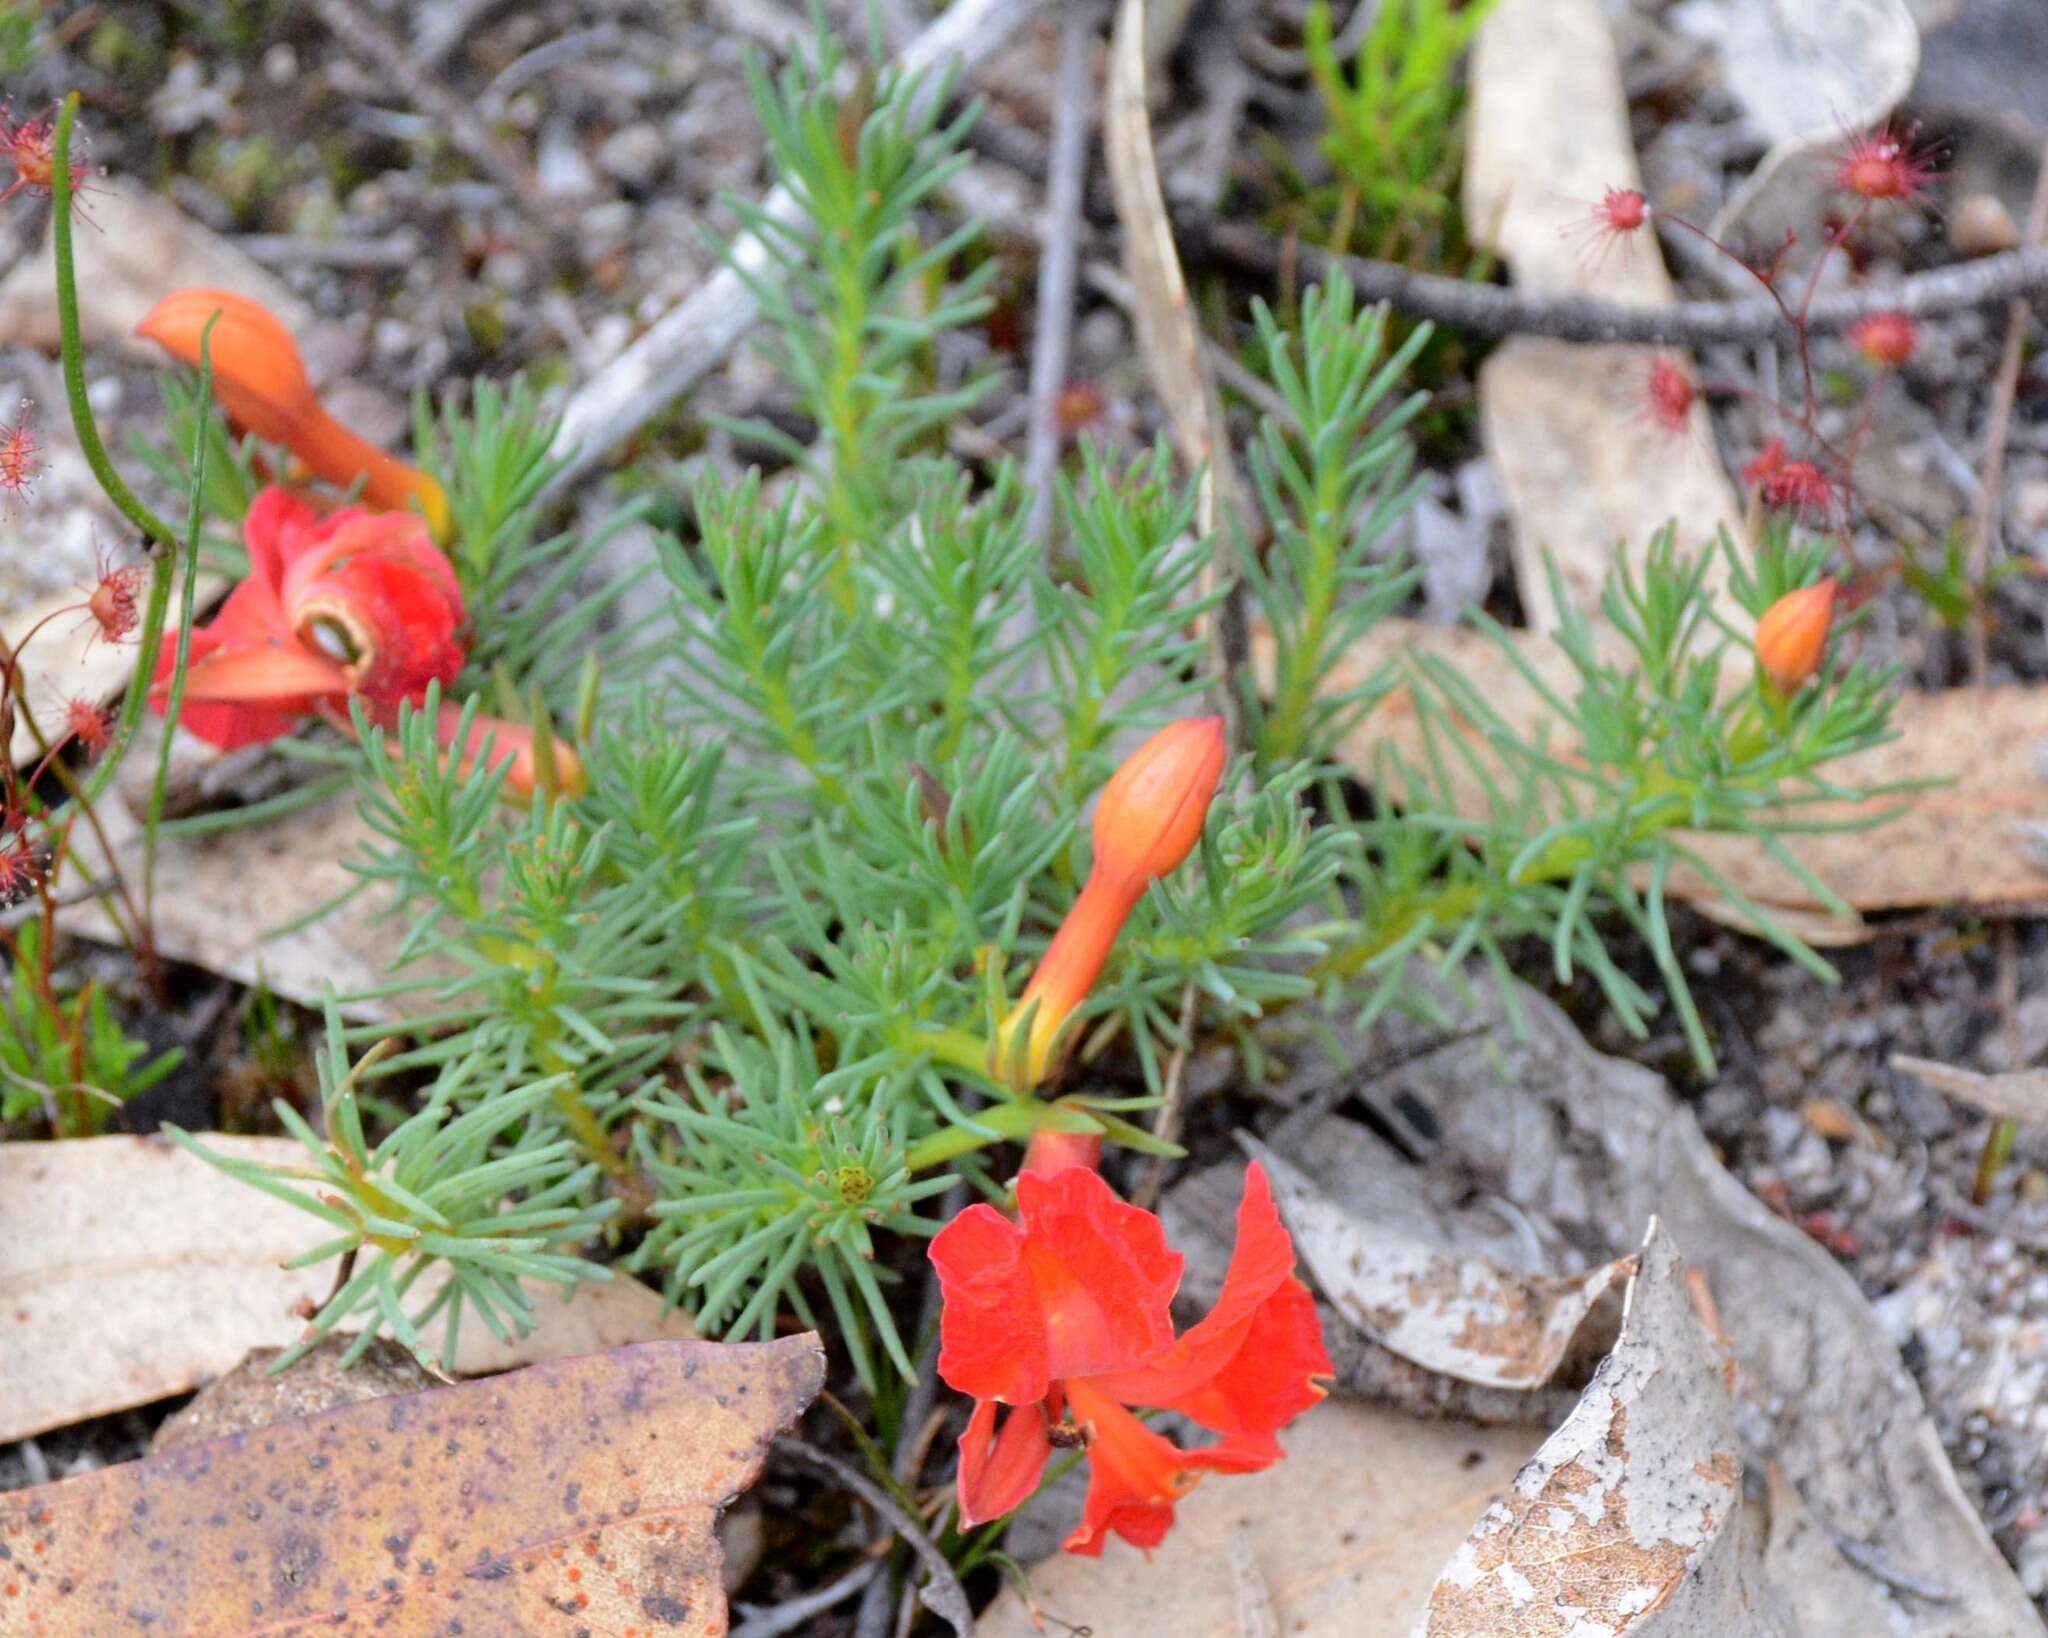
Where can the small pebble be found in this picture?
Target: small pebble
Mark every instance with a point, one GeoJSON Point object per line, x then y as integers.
{"type": "Point", "coordinates": [1982, 226]}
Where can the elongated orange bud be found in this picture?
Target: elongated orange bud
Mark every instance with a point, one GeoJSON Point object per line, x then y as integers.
{"type": "Point", "coordinates": [511, 747]}
{"type": "Point", "coordinates": [1793, 635]}
{"type": "Point", "coordinates": [261, 382]}
{"type": "Point", "coordinates": [1148, 821]}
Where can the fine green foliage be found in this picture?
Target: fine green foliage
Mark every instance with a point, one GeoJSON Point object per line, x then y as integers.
{"type": "Point", "coordinates": [735, 999]}
{"type": "Point", "coordinates": [470, 1187]}
{"type": "Point", "coordinates": [62, 1053]}
{"type": "Point", "coordinates": [1395, 126]}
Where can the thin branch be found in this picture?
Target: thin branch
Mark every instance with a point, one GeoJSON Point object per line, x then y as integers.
{"type": "Point", "coordinates": [1166, 1124]}
{"type": "Point", "coordinates": [773, 1621]}
{"type": "Point", "coordinates": [942, 1594]}
{"type": "Point", "coordinates": [2004, 390]}
{"type": "Point", "coordinates": [1493, 310]}
{"type": "Point", "coordinates": [1055, 327]}
{"type": "Point", "coordinates": [689, 341]}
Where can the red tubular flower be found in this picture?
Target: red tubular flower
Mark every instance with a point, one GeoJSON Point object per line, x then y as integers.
{"type": "Point", "coordinates": [1049, 1152]}
{"type": "Point", "coordinates": [353, 605]}
{"type": "Point", "coordinates": [1148, 821]}
{"type": "Point", "coordinates": [1792, 636]}
{"type": "Point", "coordinates": [1064, 1317]}
{"type": "Point", "coordinates": [261, 382]}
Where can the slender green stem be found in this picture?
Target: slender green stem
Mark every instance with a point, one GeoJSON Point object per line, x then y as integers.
{"type": "Point", "coordinates": [164, 567]}
{"type": "Point", "coordinates": [189, 588]}
{"type": "Point", "coordinates": [74, 353]}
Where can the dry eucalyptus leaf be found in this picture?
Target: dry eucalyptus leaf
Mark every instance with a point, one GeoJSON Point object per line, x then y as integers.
{"type": "Point", "coordinates": [1625, 1523]}
{"type": "Point", "coordinates": [1345, 1537]}
{"type": "Point", "coordinates": [1165, 321]}
{"type": "Point", "coordinates": [137, 250]}
{"type": "Point", "coordinates": [131, 1270]}
{"type": "Point", "coordinates": [1582, 1149]}
{"type": "Point", "coordinates": [2020, 1095]}
{"type": "Point", "coordinates": [223, 896]}
{"type": "Point", "coordinates": [1582, 464]}
{"type": "Point", "coordinates": [1802, 69]}
{"type": "Point", "coordinates": [1966, 839]}
{"type": "Point", "coordinates": [576, 1495]}
{"type": "Point", "coordinates": [1463, 1315]}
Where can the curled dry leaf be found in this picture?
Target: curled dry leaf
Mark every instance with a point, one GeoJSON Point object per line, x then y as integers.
{"type": "Point", "coordinates": [1580, 1150]}
{"type": "Point", "coordinates": [1624, 1523]}
{"type": "Point", "coordinates": [1463, 1315]}
{"type": "Point", "coordinates": [577, 1495]}
{"type": "Point", "coordinates": [131, 1270]}
{"type": "Point", "coordinates": [2020, 1095]}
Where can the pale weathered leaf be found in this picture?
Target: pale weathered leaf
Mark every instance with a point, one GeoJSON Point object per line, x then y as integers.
{"type": "Point", "coordinates": [242, 902]}
{"type": "Point", "coordinates": [1583, 465]}
{"type": "Point", "coordinates": [1625, 1521]}
{"type": "Point", "coordinates": [573, 1496]}
{"type": "Point", "coordinates": [1345, 1536]}
{"type": "Point", "coordinates": [2020, 1094]}
{"type": "Point", "coordinates": [1455, 1312]}
{"type": "Point", "coordinates": [131, 1270]}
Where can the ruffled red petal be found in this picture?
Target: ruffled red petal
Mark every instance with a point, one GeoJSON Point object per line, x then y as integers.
{"type": "Point", "coordinates": [1247, 1368]}
{"type": "Point", "coordinates": [991, 1333]}
{"type": "Point", "coordinates": [1102, 1271]}
{"type": "Point", "coordinates": [1135, 1476]}
{"type": "Point", "coordinates": [1000, 1469]}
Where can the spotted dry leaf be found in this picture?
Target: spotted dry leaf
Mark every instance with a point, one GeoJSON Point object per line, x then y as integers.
{"type": "Point", "coordinates": [573, 1496]}
{"type": "Point", "coordinates": [1622, 1524]}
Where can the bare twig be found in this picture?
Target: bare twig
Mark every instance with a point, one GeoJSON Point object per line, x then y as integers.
{"type": "Point", "coordinates": [942, 1594]}
{"type": "Point", "coordinates": [1166, 1125]}
{"type": "Point", "coordinates": [2004, 389]}
{"type": "Point", "coordinates": [694, 337]}
{"type": "Point", "coordinates": [363, 35]}
{"type": "Point", "coordinates": [787, 1617]}
{"type": "Point", "coordinates": [1055, 326]}
{"type": "Point", "coordinates": [397, 249]}
{"type": "Point", "coordinates": [1490, 310]}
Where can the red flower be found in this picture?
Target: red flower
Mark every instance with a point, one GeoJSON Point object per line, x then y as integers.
{"type": "Point", "coordinates": [1671, 396]}
{"type": "Point", "coordinates": [1885, 339]}
{"type": "Point", "coordinates": [1882, 164]}
{"type": "Point", "coordinates": [1064, 1316]}
{"type": "Point", "coordinates": [30, 147]}
{"type": "Point", "coordinates": [1799, 486]}
{"type": "Point", "coordinates": [1620, 213]}
{"type": "Point", "coordinates": [354, 605]}
{"type": "Point", "coordinates": [1766, 463]}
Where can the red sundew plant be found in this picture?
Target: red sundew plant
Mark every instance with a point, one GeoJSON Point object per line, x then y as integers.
{"type": "Point", "coordinates": [1670, 397]}
{"type": "Point", "coordinates": [19, 459]}
{"type": "Point", "coordinates": [1883, 165]}
{"type": "Point", "coordinates": [27, 146]}
{"type": "Point", "coordinates": [1614, 220]}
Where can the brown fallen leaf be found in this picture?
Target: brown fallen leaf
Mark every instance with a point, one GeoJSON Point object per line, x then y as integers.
{"type": "Point", "coordinates": [2020, 1095]}
{"type": "Point", "coordinates": [1582, 464]}
{"type": "Point", "coordinates": [1391, 1498]}
{"type": "Point", "coordinates": [1968, 839]}
{"type": "Point", "coordinates": [223, 896]}
{"type": "Point", "coordinates": [1627, 1521]}
{"type": "Point", "coordinates": [131, 1270]}
{"type": "Point", "coordinates": [143, 250]}
{"type": "Point", "coordinates": [573, 1496]}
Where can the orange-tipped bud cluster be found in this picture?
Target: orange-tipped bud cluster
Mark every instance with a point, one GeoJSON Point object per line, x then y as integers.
{"type": "Point", "coordinates": [1792, 636]}
{"type": "Point", "coordinates": [1148, 821]}
{"type": "Point", "coordinates": [261, 382]}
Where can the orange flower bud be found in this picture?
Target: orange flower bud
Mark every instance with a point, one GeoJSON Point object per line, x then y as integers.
{"type": "Point", "coordinates": [1793, 635]}
{"type": "Point", "coordinates": [1148, 821]}
{"type": "Point", "coordinates": [510, 746]}
{"type": "Point", "coordinates": [1151, 812]}
{"type": "Point", "coordinates": [261, 382]}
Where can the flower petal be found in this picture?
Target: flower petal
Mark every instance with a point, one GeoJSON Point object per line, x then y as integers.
{"type": "Point", "coordinates": [1101, 1270]}
{"type": "Point", "coordinates": [991, 1331]}
{"type": "Point", "coordinates": [1135, 1476]}
{"type": "Point", "coordinates": [999, 1470]}
{"type": "Point", "coordinates": [1246, 1369]}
